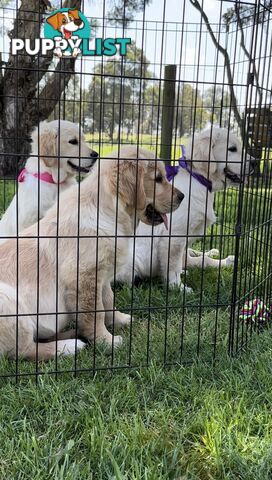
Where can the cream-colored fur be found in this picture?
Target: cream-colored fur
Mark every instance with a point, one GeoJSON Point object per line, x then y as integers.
{"type": "Point", "coordinates": [208, 156]}
{"type": "Point", "coordinates": [51, 152]}
{"type": "Point", "coordinates": [113, 199]}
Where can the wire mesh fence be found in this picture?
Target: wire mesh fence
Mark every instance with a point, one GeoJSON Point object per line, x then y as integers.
{"type": "Point", "coordinates": [94, 224]}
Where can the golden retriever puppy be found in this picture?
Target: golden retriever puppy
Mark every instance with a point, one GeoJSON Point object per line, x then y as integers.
{"type": "Point", "coordinates": [58, 153]}
{"type": "Point", "coordinates": [89, 239]}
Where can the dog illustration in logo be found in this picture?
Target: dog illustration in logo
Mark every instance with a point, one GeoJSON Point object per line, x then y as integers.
{"type": "Point", "coordinates": [67, 23]}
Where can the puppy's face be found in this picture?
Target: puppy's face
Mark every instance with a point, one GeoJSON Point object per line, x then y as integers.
{"type": "Point", "coordinates": [160, 196]}
{"type": "Point", "coordinates": [66, 22]}
{"type": "Point", "coordinates": [221, 159]}
{"type": "Point", "coordinates": [142, 186]}
{"type": "Point", "coordinates": [62, 148]}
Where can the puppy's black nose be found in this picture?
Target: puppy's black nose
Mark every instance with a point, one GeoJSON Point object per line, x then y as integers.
{"type": "Point", "coordinates": [180, 196]}
{"type": "Point", "coordinates": [93, 154]}
{"type": "Point", "coordinates": [77, 22]}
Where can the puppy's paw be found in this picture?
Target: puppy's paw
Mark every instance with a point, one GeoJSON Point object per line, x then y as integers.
{"type": "Point", "coordinates": [230, 260]}
{"type": "Point", "coordinates": [109, 341]}
{"type": "Point", "coordinates": [214, 252]}
{"type": "Point", "coordinates": [183, 287]}
{"type": "Point", "coordinates": [123, 320]}
{"type": "Point", "coordinates": [176, 283]}
{"type": "Point", "coordinates": [117, 341]}
{"type": "Point", "coordinates": [119, 320]}
{"type": "Point", "coordinates": [174, 280]}
{"type": "Point", "coordinates": [70, 347]}
{"type": "Point", "coordinates": [193, 253]}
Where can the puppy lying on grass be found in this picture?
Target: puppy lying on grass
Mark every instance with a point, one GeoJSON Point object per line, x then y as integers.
{"type": "Point", "coordinates": [58, 153]}
{"type": "Point", "coordinates": [96, 221]}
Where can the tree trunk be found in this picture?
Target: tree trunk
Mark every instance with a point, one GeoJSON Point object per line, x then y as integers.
{"type": "Point", "coordinates": [23, 101]}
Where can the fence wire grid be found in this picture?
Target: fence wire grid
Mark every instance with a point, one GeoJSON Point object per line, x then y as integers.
{"type": "Point", "coordinates": [91, 226]}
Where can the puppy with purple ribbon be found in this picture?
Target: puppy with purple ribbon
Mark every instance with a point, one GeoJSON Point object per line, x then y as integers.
{"type": "Point", "coordinates": [214, 161]}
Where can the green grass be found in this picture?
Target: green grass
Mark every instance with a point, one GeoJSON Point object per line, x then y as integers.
{"type": "Point", "coordinates": [199, 421]}
{"type": "Point", "coordinates": [104, 145]}
{"type": "Point", "coordinates": [196, 422]}
{"type": "Point", "coordinates": [7, 190]}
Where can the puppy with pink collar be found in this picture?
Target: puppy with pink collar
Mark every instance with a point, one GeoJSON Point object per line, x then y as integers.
{"type": "Point", "coordinates": [58, 154]}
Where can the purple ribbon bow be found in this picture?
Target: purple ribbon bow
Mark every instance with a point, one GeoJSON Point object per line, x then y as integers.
{"type": "Point", "coordinates": [172, 170]}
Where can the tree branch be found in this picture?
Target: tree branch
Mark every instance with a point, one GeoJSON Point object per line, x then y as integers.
{"type": "Point", "coordinates": [72, 4]}
{"type": "Point", "coordinates": [20, 106]}
{"type": "Point", "coordinates": [247, 53]}
{"type": "Point", "coordinates": [59, 80]}
{"type": "Point", "coordinates": [26, 25]}
{"type": "Point", "coordinates": [55, 86]}
{"type": "Point", "coordinates": [223, 51]}
{"type": "Point", "coordinates": [24, 73]}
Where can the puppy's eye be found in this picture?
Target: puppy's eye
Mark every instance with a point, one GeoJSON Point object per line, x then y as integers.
{"type": "Point", "coordinates": [74, 141]}
{"type": "Point", "coordinates": [159, 178]}
{"type": "Point", "coordinates": [64, 20]}
{"type": "Point", "coordinates": [71, 18]}
{"type": "Point", "coordinates": [232, 149]}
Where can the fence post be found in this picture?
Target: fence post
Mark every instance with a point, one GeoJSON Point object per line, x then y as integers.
{"type": "Point", "coordinates": [168, 109]}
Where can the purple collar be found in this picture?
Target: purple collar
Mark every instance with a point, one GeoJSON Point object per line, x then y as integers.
{"type": "Point", "coordinates": [172, 170]}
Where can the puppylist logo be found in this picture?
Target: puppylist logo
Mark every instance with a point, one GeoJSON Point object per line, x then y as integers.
{"type": "Point", "coordinates": [68, 33]}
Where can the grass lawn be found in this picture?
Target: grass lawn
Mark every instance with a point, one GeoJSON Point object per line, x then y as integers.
{"type": "Point", "coordinates": [104, 145]}
{"type": "Point", "coordinates": [198, 421]}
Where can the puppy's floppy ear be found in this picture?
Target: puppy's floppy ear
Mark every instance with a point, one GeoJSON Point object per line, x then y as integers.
{"type": "Point", "coordinates": [54, 20]}
{"type": "Point", "coordinates": [203, 159]}
{"type": "Point", "coordinates": [47, 145]}
{"type": "Point", "coordinates": [131, 183]}
{"type": "Point", "coordinates": [74, 13]}
{"type": "Point", "coordinates": [45, 139]}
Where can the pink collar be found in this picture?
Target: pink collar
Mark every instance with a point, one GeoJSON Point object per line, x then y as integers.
{"type": "Point", "coordinates": [43, 176]}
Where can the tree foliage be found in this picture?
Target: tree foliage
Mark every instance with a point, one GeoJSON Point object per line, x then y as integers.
{"type": "Point", "coordinates": [227, 63]}
{"type": "Point", "coordinates": [124, 11]}
{"type": "Point", "coordinates": [116, 90]}
{"type": "Point", "coordinates": [192, 115]}
{"type": "Point", "coordinates": [216, 102]}
{"type": "Point", "coordinates": [246, 13]}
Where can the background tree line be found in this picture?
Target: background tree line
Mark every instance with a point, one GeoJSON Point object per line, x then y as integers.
{"type": "Point", "coordinates": [117, 98]}
{"type": "Point", "coordinates": [121, 93]}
